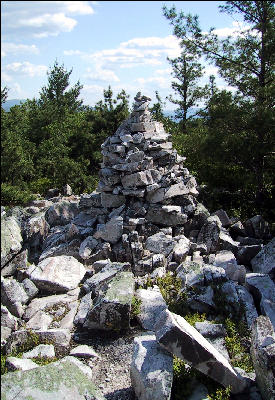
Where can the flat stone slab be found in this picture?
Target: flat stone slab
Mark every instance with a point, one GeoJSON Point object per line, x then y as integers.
{"type": "Point", "coordinates": [57, 274]}
{"type": "Point", "coordinates": [151, 369]}
{"type": "Point", "coordinates": [59, 380]}
{"type": "Point", "coordinates": [177, 336]}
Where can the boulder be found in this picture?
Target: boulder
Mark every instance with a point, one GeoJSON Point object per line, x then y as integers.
{"type": "Point", "coordinates": [42, 351]}
{"type": "Point", "coordinates": [151, 369]}
{"type": "Point", "coordinates": [15, 363]}
{"type": "Point", "coordinates": [13, 296]}
{"type": "Point", "coordinates": [226, 260]}
{"type": "Point", "coordinates": [263, 356]}
{"type": "Point", "coordinates": [215, 334]}
{"type": "Point", "coordinates": [56, 311]}
{"type": "Point", "coordinates": [181, 249]}
{"type": "Point", "coordinates": [264, 261]}
{"type": "Point", "coordinates": [111, 310]}
{"type": "Point", "coordinates": [257, 227]}
{"type": "Point", "coordinates": [209, 234]}
{"type": "Point", "coordinates": [7, 319]}
{"type": "Point", "coordinates": [178, 337]}
{"type": "Point", "coordinates": [111, 231]}
{"type": "Point", "coordinates": [152, 304]}
{"type": "Point", "coordinates": [84, 351]}
{"type": "Point", "coordinates": [250, 310]}
{"type": "Point", "coordinates": [97, 281]}
{"type": "Point", "coordinates": [11, 239]}
{"type": "Point", "coordinates": [58, 380]}
{"type": "Point", "coordinates": [160, 244]}
{"type": "Point", "coordinates": [61, 213]}
{"type": "Point", "coordinates": [57, 274]}
{"type": "Point", "coordinates": [60, 338]}
{"type": "Point", "coordinates": [262, 289]}
{"type": "Point", "coordinates": [225, 221]}
{"type": "Point", "coordinates": [166, 215]}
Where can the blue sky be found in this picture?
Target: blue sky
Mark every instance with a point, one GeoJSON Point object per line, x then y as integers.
{"type": "Point", "coordinates": [124, 44]}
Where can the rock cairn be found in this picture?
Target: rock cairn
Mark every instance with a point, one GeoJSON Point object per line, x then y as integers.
{"type": "Point", "coordinates": [144, 189]}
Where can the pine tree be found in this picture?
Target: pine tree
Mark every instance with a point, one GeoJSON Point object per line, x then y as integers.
{"type": "Point", "coordinates": [246, 62]}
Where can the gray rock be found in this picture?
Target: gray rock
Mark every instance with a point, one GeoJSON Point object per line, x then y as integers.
{"type": "Point", "coordinates": [246, 253]}
{"type": "Point", "coordinates": [227, 243]}
{"type": "Point", "coordinates": [67, 190]}
{"type": "Point", "coordinates": [264, 261]}
{"type": "Point", "coordinates": [111, 231]}
{"type": "Point", "coordinates": [181, 249]}
{"type": "Point", "coordinates": [223, 218]}
{"type": "Point", "coordinates": [36, 230]}
{"type": "Point", "coordinates": [30, 288]}
{"type": "Point", "coordinates": [112, 200]}
{"type": "Point", "coordinates": [226, 260]}
{"type": "Point", "coordinates": [152, 304]}
{"type": "Point", "coordinates": [160, 243]}
{"type": "Point", "coordinates": [257, 227]}
{"type": "Point", "coordinates": [209, 234]}
{"type": "Point", "coordinates": [60, 338]}
{"type": "Point", "coordinates": [166, 215]}
{"type": "Point", "coordinates": [67, 382]}
{"type": "Point", "coordinates": [87, 247]}
{"type": "Point", "coordinates": [151, 369]}
{"type": "Point", "coordinates": [13, 296]}
{"type": "Point", "coordinates": [84, 351]}
{"type": "Point", "coordinates": [181, 339]}
{"type": "Point", "coordinates": [202, 302]}
{"type": "Point", "coordinates": [61, 213]}
{"type": "Point", "coordinates": [250, 310]}
{"type": "Point", "coordinates": [84, 306]}
{"type": "Point", "coordinates": [57, 274]}
{"type": "Point", "coordinates": [15, 363]}
{"type": "Point", "coordinates": [41, 351]}
{"type": "Point", "coordinates": [193, 274]}
{"type": "Point", "coordinates": [95, 283]}
{"type": "Point", "coordinates": [215, 334]}
{"type": "Point", "coordinates": [263, 356]}
{"type": "Point", "coordinates": [262, 289]}
{"type": "Point", "coordinates": [11, 239]}
{"type": "Point", "coordinates": [112, 309]}
{"type": "Point", "coordinates": [7, 319]}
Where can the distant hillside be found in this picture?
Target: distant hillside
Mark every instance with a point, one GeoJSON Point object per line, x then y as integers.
{"type": "Point", "coordinates": [13, 102]}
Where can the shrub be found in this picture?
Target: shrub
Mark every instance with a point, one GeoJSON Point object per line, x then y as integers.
{"type": "Point", "coordinates": [14, 195]}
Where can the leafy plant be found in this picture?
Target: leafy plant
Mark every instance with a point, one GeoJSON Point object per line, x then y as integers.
{"type": "Point", "coordinates": [135, 307]}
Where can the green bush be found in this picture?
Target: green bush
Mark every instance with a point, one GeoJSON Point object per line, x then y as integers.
{"type": "Point", "coordinates": [15, 196]}
{"type": "Point", "coordinates": [41, 185]}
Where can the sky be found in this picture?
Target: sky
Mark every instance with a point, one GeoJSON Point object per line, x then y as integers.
{"type": "Point", "coordinates": [124, 44]}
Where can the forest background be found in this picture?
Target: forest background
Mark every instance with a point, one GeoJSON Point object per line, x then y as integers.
{"type": "Point", "coordinates": [55, 140]}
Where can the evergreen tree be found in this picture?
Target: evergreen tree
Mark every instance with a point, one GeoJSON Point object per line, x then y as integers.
{"type": "Point", "coordinates": [187, 70]}
{"type": "Point", "coordinates": [245, 62]}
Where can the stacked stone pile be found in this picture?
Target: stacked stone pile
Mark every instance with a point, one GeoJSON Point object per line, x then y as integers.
{"type": "Point", "coordinates": [73, 265]}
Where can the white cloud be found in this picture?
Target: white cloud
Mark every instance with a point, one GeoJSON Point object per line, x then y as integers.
{"type": "Point", "coordinates": [237, 29]}
{"type": "Point", "coordinates": [5, 77]}
{"type": "Point", "coordinates": [101, 74]}
{"type": "Point", "coordinates": [158, 81]}
{"type": "Point", "coordinates": [133, 53]}
{"type": "Point", "coordinates": [13, 48]}
{"type": "Point", "coordinates": [26, 68]}
{"type": "Point", "coordinates": [41, 18]}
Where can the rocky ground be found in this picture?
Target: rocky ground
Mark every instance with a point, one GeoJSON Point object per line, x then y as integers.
{"type": "Point", "coordinates": [75, 268]}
